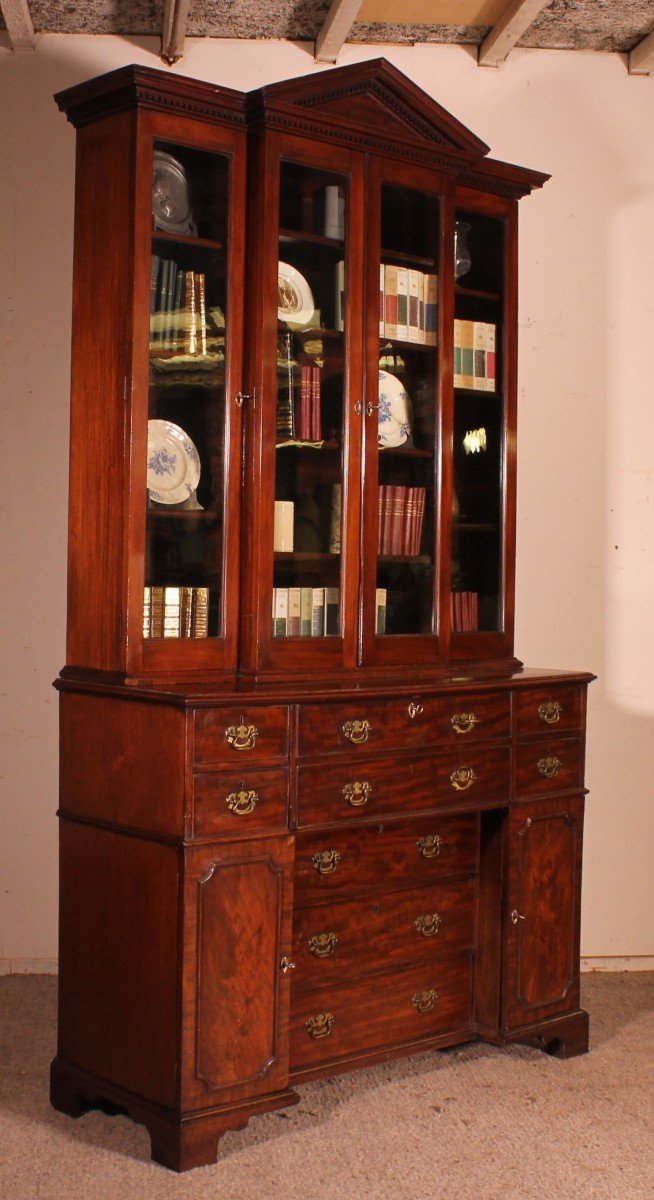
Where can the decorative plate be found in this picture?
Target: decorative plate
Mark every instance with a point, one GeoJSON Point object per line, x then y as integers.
{"type": "Point", "coordinates": [295, 304]}
{"type": "Point", "coordinates": [173, 463]}
{"type": "Point", "coordinates": [394, 411]}
{"type": "Point", "coordinates": [171, 207]}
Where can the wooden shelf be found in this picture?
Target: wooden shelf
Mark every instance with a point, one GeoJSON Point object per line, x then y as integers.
{"type": "Point", "coordinates": [414, 260]}
{"type": "Point", "coordinates": [304, 556]}
{"type": "Point", "coordinates": [185, 239]}
{"type": "Point", "coordinates": [184, 514]}
{"type": "Point", "coordinates": [316, 239]}
{"type": "Point", "coordinates": [476, 293]}
{"type": "Point", "coordinates": [405, 452]}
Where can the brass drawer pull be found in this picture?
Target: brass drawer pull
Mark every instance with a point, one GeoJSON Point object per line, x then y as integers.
{"type": "Point", "coordinates": [425, 1001]}
{"type": "Point", "coordinates": [322, 945]}
{"type": "Point", "coordinates": [430, 846]}
{"type": "Point", "coordinates": [415, 710]}
{"type": "Point", "coordinates": [462, 779]}
{"type": "Point", "coordinates": [356, 732]}
{"type": "Point", "coordinates": [286, 965]}
{"type": "Point", "coordinates": [428, 924]}
{"type": "Point", "coordinates": [241, 803]}
{"type": "Point", "coordinates": [321, 1025]}
{"type": "Point", "coordinates": [357, 794]}
{"type": "Point", "coordinates": [242, 737]}
{"type": "Point", "coordinates": [550, 712]}
{"type": "Point", "coordinates": [516, 916]}
{"type": "Point", "coordinates": [464, 722]}
{"type": "Point", "coordinates": [326, 861]}
{"type": "Point", "coordinates": [549, 767]}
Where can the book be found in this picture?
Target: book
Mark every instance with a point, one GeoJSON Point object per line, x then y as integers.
{"type": "Point", "coordinates": [146, 611]}
{"type": "Point", "coordinates": [190, 327]}
{"type": "Point", "coordinates": [306, 611]}
{"type": "Point", "coordinates": [402, 304]}
{"type": "Point", "coordinates": [332, 605]}
{"type": "Point", "coordinates": [390, 302]}
{"type": "Point", "coordinates": [458, 374]}
{"type": "Point", "coordinates": [201, 313]}
{"type": "Point", "coordinates": [200, 612]}
{"type": "Point", "coordinates": [154, 279]}
{"type": "Point", "coordinates": [315, 423]}
{"type": "Point", "coordinates": [339, 297]}
{"type": "Point", "coordinates": [491, 369]}
{"type": "Point", "coordinates": [186, 612]}
{"type": "Point", "coordinates": [430, 309]}
{"type": "Point", "coordinates": [318, 612]}
{"type": "Point", "coordinates": [294, 612]}
{"type": "Point", "coordinates": [382, 297]}
{"type": "Point", "coordinates": [467, 355]}
{"type": "Point", "coordinates": [416, 332]}
{"type": "Point", "coordinates": [380, 600]}
{"type": "Point", "coordinates": [156, 611]}
{"type": "Point", "coordinates": [479, 329]}
{"type": "Point", "coordinates": [171, 612]}
{"type": "Point", "coordinates": [280, 613]}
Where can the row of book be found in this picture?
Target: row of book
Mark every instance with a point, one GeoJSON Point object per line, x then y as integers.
{"type": "Point", "coordinates": [298, 409]}
{"type": "Point", "coordinates": [175, 612]}
{"type": "Point", "coordinates": [178, 319]}
{"type": "Point", "coordinates": [464, 612]}
{"type": "Point", "coordinates": [474, 355]}
{"type": "Point", "coordinates": [314, 612]}
{"type": "Point", "coordinates": [401, 519]}
{"type": "Point", "coordinates": [408, 305]}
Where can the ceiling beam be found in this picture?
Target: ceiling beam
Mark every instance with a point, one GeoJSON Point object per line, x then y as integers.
{"type": "Point", "coordinates": [335, 28]}
{"type": "Point", "coordinates": [515, 21]}
{"type": "Point", "coordinates": [175, 21]}
{"type": "Point", "coordinates": [19, 24]}
{"type": "Point", "coordinates": [641, 59]}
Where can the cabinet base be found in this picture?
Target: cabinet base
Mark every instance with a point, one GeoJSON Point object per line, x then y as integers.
{"type": "Point", "coordinates": [562, 1037]}
{"type": "Point", "coordinates": [178, 1141]}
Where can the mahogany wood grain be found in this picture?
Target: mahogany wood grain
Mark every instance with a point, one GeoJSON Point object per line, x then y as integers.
{"type": "Point", "coordinates": [549, 711]}
{"type": "Point", "coordinates": [561, 758]}
{"type": "Point", "coordinates": [267, 740]}
{"type": "Point", "coordinates": [213, 816]}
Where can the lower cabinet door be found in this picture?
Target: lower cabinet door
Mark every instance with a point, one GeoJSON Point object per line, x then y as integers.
{"type": "Point", "coordinates": [236, 986]}
{"type": "Point", "coordinates": [541, 965]}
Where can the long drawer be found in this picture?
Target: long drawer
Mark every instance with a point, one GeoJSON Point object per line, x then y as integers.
{"type": "Point", "coordinates": [551, 765]}
{"type": "Point", "coordinates": [405, 1006]}
{"type": "Point", "coordinates": [240, 803]}
{"type": "Point", "coordinates": [349, 861]}
{"type": "Point", "coordinates": [240, 735]}
{"type": "Point", "coordinates": [419, 723]}
{"type": "Point", "coordinates": [335, 941]}
{"type": "Point", "coordinates": [350, 791]}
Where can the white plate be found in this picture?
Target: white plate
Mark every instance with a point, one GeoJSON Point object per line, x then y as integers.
{"type": "Point", "coordinates": [394, 411]}
{"type": "Point", "coordinates": [295, 304]}
{"type": "Point", "coordinates": [173, 463]}
{"type": "Point", "coordinates": [171, 207]}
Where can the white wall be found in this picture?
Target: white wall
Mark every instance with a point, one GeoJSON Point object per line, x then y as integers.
{"type": "Point", "coordinates": [585, 544]}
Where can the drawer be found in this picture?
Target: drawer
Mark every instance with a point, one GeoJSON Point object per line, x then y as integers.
{"type": "Point", "coordinates": [346, 861]}
{"type": "Point", "coordinates": [380, 1011]}
{"type": "Point", "coordinates": [241, 734]}
{"type": "Point", "coordinates": [335, 941]}
{"type": "Point", "coordinates": [350, 791]}
{"type": "Point", "coordinates": [240, 803]}
{"type": "Point", "coordinates": [417, 723]}
{"type": "Point", "coordinates": [556, 708]}
{"type": "Point", "coordinates": [549, 766]}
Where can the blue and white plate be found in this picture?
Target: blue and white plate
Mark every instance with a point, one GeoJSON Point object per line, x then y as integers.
{"type": "Point", "coordinates": [173, 463]}
{"type": "Point", "coordinates": [394, 411]}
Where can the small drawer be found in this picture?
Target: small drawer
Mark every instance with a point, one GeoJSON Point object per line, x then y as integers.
{"type": "Point", "coordinates": [335, 941]}
{"type": "Point", "coordinates": [349, 861]}
{"type": "Point", "coordinates": [554, 765]}
{"type": "Point", "coordinates": [361, 1016]}
{"type": "Point", "coordinates": [238, 804]}
{"type": "Point", "coordinates": [377, 787]}
{"type": "Point", "coordinates": [557, 709]}
{"type": "Point", "coordinates": [408, 723]}
{"type": "Point", "coordinates": [241, 734]}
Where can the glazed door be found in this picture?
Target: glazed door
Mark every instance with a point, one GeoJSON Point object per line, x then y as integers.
{"type": "Point", "coordinates": [406, 388]}
{"type": "Point", "coordinates": [187, 448]}
{"type": "Point", "coordinates": [541, 964]}
{"type": "Point", "coordinates": [236, 986]}
{"type": "Point", "coordinates": [304, 445]}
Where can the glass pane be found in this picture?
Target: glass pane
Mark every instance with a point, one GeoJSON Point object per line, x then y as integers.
{"type": "Point", "coordinates": [186, 427]}
{"type": "Point", "coordinates": [310, 380]}
{"type": "Point", "coordinates": [478, 425]}
{"type": "Point", "coordinates": [408, 371]}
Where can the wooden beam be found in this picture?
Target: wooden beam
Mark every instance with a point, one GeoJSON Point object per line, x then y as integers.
{"type": "Point", "coordinates": [641, 59]}
{"type": "Point", "coordinates": [17, 18]}
{"type": "Point", "coordinates": [175, 20]}
{"type": "Point", "coordinates": [515, 21]}
{"type": "Point", "coordinates": [336, 26]}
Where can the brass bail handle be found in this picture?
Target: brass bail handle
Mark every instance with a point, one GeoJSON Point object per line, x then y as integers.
{"type": "Point", "coordinates": [242, 736]}
{"type": "Point", "coordinates": [357, 731]}
{"type": "Point", "coordinates": [326, 861]}
{"type": "Point", "coordinates": [550, 712]}
{"type": "Point", "coordinates": [464, 722]}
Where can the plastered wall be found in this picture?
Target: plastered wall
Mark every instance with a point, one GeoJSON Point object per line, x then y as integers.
{"type": "Point", "coordinates": [585, 530]}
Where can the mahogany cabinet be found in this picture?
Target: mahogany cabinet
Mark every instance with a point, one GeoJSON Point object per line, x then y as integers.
{"type": "Point", "coordinates": [314, 811]}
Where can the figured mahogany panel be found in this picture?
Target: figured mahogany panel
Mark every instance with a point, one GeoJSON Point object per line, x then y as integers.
{"type": "Point", "coordinates": [235, 995]}
{"type": "Point", "coordinates": [354, 791]}
{"type": "Point", "coordinates": [543, 910]}
{"type": "Point", "coordinates": [355, 937]}
{"type": "Point", "coordinates": [404, 1006]}
{"type": "Point", "coordinates": [349, 861]}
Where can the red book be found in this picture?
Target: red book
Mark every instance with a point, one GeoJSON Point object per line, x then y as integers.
{"type": "Point", "coordinates": [382, 514]}
{"type": "Point", "coordinates": [316, 432]}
